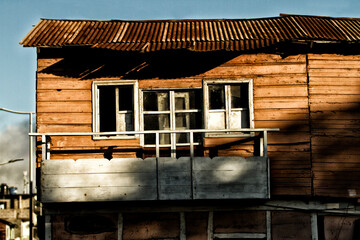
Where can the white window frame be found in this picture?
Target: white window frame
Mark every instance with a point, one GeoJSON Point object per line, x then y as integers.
{"type": "Point", "coordinates": [207, 82]}
{"type": "Point", "coordinates": [96, 106]}
{"type": "Point", "coordinates": [171, 111]}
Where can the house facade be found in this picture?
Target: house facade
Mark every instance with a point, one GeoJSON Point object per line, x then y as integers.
{"type": "Point", "coordinates": [198, 129]}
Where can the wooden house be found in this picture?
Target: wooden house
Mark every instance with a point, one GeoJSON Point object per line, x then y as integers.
{"type": "Point", "coordinates": [198, 129]}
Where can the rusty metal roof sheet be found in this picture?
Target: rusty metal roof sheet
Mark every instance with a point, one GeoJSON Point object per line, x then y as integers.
{"type": "Point", "coordinates": [197, 35]}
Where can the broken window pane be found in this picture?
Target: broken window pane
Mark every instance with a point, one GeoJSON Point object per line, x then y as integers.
{"type": "Point", "coordinates": [126, 98]}
{"type": "Point", "coordinates": [107, 111]}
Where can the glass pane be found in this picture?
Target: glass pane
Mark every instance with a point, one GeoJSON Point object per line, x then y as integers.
{"type": "Point", "coordinates": [188, 100]}
{"type": "Point", "coordinates": [245, 119]}
{"type": "Point", "coordinates": [125, 122]}
{"type": "Point", "coordinates": [240, 95]}
{"type": "Point", "coordinates": [156, 101]}
{"type": "Point", "coordinates": [216, 97]}
{"type": "Point", "coordinates": [107, 109]}
{"type": "Point", "coordinates": [188, 121]}
{"type": "Point", "coordinates": [126, 97]}
{"type": "Point", "coordinates": [216, 120]}
{"type": "Point", "coordinates": [157, 122]}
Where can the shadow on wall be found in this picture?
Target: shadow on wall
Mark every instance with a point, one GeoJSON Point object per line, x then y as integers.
{"type": "Point", "coordinates": [167, 65]}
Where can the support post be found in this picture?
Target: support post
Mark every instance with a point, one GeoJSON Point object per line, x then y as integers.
{"type": "Point", "coordinates": [157, 143]}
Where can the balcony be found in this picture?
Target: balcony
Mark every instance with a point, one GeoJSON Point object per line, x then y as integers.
{"type": "Point", "coordinates": [156, 178]}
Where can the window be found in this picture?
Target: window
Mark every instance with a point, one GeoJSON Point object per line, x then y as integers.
{"type": "Point", "coordinates": [115, 108]}
{"type": "Point", "coordinates": [222, 104]}
{"type": "Point", "coordinates": [228, 104]}
{"type": "Point", "coordinates": [171, 110]}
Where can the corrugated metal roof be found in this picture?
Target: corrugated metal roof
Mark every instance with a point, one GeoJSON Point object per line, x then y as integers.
{"type": "Point", "coordinates": [197, 35]}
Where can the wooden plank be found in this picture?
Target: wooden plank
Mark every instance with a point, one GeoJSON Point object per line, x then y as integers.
{"type": "Point", "coordinates": [63, 95]}
{"type": "Point", "coordinates": [63, 107]}
{"type": "Point", "coordinates": [276, 103]}
{"type": "Point", "coordinates": [334, 81]}
{"type": "Point", "coordinates": [293, 190]}
{"type": "Point", "coordinates": [63, 142]}
{"type": "Point", "coordinates": [96, 166]}
{"type": "Point", "coordinates": [334, 106]}
{"type": "Point", "coordinates": [336, 149]}
{"type": "Point", "coordinates": [52, 128]}
{"type": "Point", "coordinates": [333, 57]}
{"type": "Point", "coordinates": [46, 62]}
{"type": "Point", "coordinates": [63, 83]}
{"type": "Point", "coordinates": [170, 83]}
{"type": "Point", "coordinates": [301, 125]}
{"type": "Point", "coordinates": [296, 173]}
{"type": "Point", "coordinates": [98, 194]}
{"type": "Point", "coordinates": [98, 180]}
{"type": "Point", "coordinates": [341, 166]}
{"type": "Point", "coordinates": [342, 72]}
{"type": "Point", "coordinates": [340, 177]}
{"type": "Point", "coordinates": [48, 235]}
{"type": "Point", "coordinates": [90, 155]}
{"type": "Point", "coordinates": [336, 132]}
{"type": "Point", "coordinates": [281, 114]}
{"type": "Point", "coordinates": [230, 177]}
{"type": "Point", "coordinates": [330, 141]}
{"type": "Point", "coordinates": [238, 70]}
{"type": "Point", "coordinates": [280, 91]}
{"type": "Point", "coordinates": [335, 158]}
{"type": "Point", "coordinates": [240, 235]}
{"type": "Point", "coordinates": [343, 124]}
{"type": "Point", "coordinates": [334, 90]}
{"type": "Point", "coordinates": [275, 80]}
{"type": "Point", "coordinates": [340, 192]}
{"type": "Point", "coordinates": [174, 178]}
{"type": "Point", "coordinates": [245, 191]}
{"type": "Point", "coordinates": [345, 115]}
{"type": "Point", "coordinates": [348, 98]}
{"type": "Point", "coordinates": [288, 149]}
{"type": "Point", "coordinates": [333, 64]}
{"type": "Point", "coordinates": [63, 118]}
{"type": "Point", "coordinates": [267, 58]}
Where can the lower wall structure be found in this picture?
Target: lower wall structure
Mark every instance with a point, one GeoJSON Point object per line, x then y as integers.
{"type": "Point", "coordinates": [129, 179]}
{"type": "Point", "coordinates": [203, 220]}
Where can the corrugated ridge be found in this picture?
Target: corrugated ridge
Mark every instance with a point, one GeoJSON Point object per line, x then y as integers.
{"type": "Point", "coordinates": [197, 35]}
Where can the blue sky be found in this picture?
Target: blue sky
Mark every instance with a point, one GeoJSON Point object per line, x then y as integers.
{"type": "Point", "coordinates": [18, 64]}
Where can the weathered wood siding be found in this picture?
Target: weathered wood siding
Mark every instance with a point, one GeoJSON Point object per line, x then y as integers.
{"type": "Point", "coordinates": [313, 99]}
{"type": "Point", "coordinates": [98, 180]}
{"type": "Point", "coordinates": [334, 92]}
{"type": "Point", "coordinates": [129, 179]}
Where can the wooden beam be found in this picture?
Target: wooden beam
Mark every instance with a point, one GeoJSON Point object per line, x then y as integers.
{"type": "Point", "coordinates": [48, 227]}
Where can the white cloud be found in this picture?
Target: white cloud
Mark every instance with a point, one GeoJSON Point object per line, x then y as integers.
{"type": "Point", "coordinates": [14, 144]}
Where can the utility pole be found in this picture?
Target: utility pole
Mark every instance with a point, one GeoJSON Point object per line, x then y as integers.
{"type": "Point", "coordinates": [31, 166]}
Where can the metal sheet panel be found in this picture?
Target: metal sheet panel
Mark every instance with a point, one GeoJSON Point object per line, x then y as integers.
{"type": "Point", "coordinates": [196, 35]}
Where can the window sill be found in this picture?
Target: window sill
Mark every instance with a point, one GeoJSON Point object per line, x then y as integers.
{"type": "Point", "coordinates": [123, 137]}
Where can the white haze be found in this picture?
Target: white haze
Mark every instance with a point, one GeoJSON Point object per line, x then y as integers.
{"type": "Point", "coordinates": [14, 144]}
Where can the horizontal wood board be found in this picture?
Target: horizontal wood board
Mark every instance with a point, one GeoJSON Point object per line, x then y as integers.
{"type": "Point", "coordinates": [334, 91]}
{"type": "Point", "coordinates": [136, 179]}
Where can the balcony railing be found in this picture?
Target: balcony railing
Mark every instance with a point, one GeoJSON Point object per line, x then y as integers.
{"type": "Point", "coordinates": [156, 178]}
{"type": "Point", "coordinates": [262, 134]}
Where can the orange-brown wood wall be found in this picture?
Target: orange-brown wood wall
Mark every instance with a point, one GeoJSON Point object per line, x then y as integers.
{"type": "Point", "coordinates": [312, 98]}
